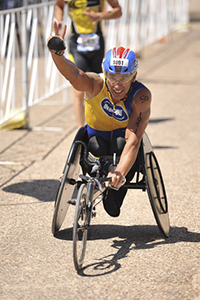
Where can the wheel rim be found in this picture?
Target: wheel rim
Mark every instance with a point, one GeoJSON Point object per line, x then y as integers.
{"type": "Point", "coordinates": [158, 184]}
{"type": "Point", "coordinates": [80, 227]}
{"type": "Point", "coordinates": [157, 194]}
{"type": "Point", "coordinates": [65, 192]}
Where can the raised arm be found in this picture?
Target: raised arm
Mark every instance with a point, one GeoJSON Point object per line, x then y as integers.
{"type": "Point", "coordinates": [81, 81]}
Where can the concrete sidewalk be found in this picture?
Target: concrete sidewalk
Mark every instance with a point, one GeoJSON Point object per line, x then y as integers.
{"type": "Point", "coordinates": [126, 257]}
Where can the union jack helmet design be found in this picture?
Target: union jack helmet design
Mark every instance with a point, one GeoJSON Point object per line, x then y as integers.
{"type": "Point", "coordinates": [120, 60]}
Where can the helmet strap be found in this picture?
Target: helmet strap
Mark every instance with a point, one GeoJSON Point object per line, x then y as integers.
{"type": "Point", "coordinates": [107, 86]}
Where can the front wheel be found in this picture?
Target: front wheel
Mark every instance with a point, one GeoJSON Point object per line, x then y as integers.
{"type": "Point", "coordinates": [80, 228]}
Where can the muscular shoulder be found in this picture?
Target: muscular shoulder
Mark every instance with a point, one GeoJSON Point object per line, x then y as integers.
{"type": "Point", "coordinates": [143, 97]}
{"type": "Point", "coordinates": [142, 105]}
{"type": "Point", "coordinates": [140, 113]}
{"type": "Point", "coordinates": [93, 75]}
{"type": "Point", "coordinates": [97, 85]}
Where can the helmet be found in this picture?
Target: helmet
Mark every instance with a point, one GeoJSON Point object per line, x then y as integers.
{"type": "Point", "coordinates": [120, 60]}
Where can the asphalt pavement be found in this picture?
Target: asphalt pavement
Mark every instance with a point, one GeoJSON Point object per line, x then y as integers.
{"type": "Point", "coordinates": [126, 257]}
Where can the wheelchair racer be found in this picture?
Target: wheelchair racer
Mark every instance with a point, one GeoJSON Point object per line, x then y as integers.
{"type": "Point", "coordinates": [117, 111]}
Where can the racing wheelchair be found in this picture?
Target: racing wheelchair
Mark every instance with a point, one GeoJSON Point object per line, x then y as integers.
{"type": "Point", "coordinates": [84, 178]}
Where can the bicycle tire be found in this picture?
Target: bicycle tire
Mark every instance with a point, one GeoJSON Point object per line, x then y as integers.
{"type": "Point", "coordinates": [80, 228]}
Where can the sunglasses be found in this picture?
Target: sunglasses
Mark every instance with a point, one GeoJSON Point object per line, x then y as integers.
{"type": "Point", "coordinates": [119, 78]}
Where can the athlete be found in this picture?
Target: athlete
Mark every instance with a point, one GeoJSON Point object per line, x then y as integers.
{"type": "Point", "coordinates": [86, 43]}
{"type": "Point", "coordinates": [117, 110]}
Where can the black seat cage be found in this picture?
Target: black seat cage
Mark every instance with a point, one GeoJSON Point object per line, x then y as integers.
{"type": "Point", "coordinates": [139, 183]}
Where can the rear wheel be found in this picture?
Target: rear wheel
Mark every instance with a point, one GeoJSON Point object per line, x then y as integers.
{"type": "Point", "coordinates": [80, 228]}
{"type": "Point", "coordinates": [156, 189]}
{"type": "Point", "coordinates": [65, 191]}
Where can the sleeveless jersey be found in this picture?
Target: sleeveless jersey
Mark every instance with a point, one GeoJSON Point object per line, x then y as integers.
{"type": "Point", "coordinates": [81, 24]}
{"type": "Point", "coordinates": [106, 119]}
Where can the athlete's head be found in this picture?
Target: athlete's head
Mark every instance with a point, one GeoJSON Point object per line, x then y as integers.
{"type": "Point", "coordinates": [120, 61]}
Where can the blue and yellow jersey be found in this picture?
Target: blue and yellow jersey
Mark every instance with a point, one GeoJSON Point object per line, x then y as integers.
{"type": "Point", "coordinates": [81, 24]}
{"type": "Point", "coordinates": [106, 119]}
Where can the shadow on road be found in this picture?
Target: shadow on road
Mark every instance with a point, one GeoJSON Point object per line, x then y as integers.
{"type": "Point", "coordinates": [125, 240]}
{"type": "Point", "coordinates": [43, 190]}
{"type": "Point", "coordinates": [164, 147]}
{"type": "Point", "coordinates": [160, 120]}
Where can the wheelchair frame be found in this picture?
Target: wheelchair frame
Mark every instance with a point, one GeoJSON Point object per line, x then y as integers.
{"type": "Point", "coordinates": [90, 188]}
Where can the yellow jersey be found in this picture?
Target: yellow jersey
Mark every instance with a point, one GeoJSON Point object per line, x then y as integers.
{"type": "Point", "coordinates": [81, 24]}
{"type": "Point", "coordinates": [106, 119]}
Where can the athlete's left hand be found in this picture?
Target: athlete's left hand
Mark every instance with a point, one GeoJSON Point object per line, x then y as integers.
{"type": "Point", "coordinates": [116, 180]}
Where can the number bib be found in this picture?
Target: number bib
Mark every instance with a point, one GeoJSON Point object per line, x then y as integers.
{"type": "Point", "coordinates": [120, 62]}
{"type": "Point", "coordinates": [88, 42]}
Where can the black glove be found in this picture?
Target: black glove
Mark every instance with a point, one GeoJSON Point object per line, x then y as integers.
{"type": "Point", "coordinates": [57, 45]}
